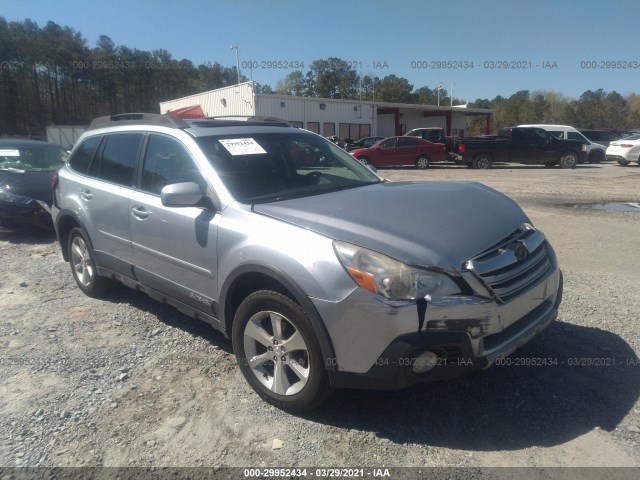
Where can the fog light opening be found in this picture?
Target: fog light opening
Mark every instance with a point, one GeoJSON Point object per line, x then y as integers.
{"type": "Point", "coordinates": [425, 362]}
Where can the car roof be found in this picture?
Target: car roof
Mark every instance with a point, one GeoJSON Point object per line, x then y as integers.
{"type": "Point", "coordinates": [545, 126]}
{"type": "Point", "coordinates": [157, 120]}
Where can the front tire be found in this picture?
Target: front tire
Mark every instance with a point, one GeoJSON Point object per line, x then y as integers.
{"type": "Point", "coordinates": [624, 163]}
{"type": "Point", "coordinates": [278, 352]}
{"type": "Point", "coordinates": [422, 162]}
{"type": "Point", "coordinates": [482, 162]}
{"type": "Point", "coordinates": [568, 160]}
{"type": "Point", "coordinates": [364, 160]}
{"type": "Point", "coordinates": [596, 156]}
{"type": "Point", "coordinates": [83, 266]}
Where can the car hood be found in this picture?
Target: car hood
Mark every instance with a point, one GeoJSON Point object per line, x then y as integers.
{"type": "Point", "coordinates": [36, 185]}
{"type": "Point", "coordinates": [430, 224]}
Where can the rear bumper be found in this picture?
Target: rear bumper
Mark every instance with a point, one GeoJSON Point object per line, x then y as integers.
{"type": "Point", "coordinates": [618, 158]}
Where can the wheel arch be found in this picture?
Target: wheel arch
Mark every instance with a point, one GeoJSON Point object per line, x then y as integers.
{"type": "Point", "coordinates": [67, 221]}
{"type": "Point", "coordinates": [422, 155]}
{"type": "Point", "coordinates": [247, 279]}
{"type": "Point", "coordinates": [477, 156]}
{"type": "Point", "coordinates": [573, 152]}
{"type": "Point", "coordinates": [569, 151]}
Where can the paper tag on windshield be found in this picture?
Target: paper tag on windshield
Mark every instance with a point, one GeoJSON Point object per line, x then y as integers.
{"type": "Point", "coordinates": [242, 146]}
{"type": "Point", "coordinates": [9, 153]}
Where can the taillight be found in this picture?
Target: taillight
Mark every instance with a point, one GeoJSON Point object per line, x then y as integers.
{"type": "Point", "coordinates": [626, 145]}
{"type": "Point", "coordinates": [461, 148]}
{"type": "Point", "coordinates": [54, 180]}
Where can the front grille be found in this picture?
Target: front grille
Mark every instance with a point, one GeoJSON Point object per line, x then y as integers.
{"type": "Point", "coordinates": [514, 265]}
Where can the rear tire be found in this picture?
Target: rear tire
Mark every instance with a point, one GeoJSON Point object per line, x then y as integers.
{"type": "Point", "coordinates": [422, 162]}
{"type": "Point", "coordinates": [278, 352]}
{"type": "Point", "coordinates": [83, 266]}
{"type": "Point", "coordinates": [624, 163]}
{"type": "Point", "coordinates": [482, 162]}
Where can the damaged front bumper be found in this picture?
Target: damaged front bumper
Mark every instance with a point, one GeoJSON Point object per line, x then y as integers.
{"type": "Point", "coordinates": [13, 215]}
{"type": "Point", "coordinates": [467, 333]}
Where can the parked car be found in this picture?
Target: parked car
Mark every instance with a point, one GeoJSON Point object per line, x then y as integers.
{"type": "Point", "coordinates": [26, 168]}
{"type": "Point", "coordinates": [595, 151]}
{"type": "Point", "coordinates": [397, 151]}
{"type": "Point", "coordinates": [528, 145]}
{"type": "Point", "coordinates": [362, 143]}
{"type": "Point", "coordinates": [603, 137]}
{"type": "Point", "coordinates": [434, 135]}
{"type": "Point", "coordinates": [323, 275]}
{"type": "Point", "coordinates": [625, 150]}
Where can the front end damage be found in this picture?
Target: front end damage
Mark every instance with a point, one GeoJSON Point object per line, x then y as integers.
{"type": "Point", "coordinates": [513, 297]}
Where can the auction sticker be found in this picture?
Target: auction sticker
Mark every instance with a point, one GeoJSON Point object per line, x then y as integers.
{"type": "Point", "coordinates": [9, 153]}
{"type": "Point", "coordinates": [242, 146]}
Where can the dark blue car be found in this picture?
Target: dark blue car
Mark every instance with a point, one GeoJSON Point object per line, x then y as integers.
{"type": "Point", "coordinates": [26, 171]}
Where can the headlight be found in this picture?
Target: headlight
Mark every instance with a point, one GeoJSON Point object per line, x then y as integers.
{"type": "Point", "coordinates": [13, 198]}
{"type": "Point", "coordinates": [390, 278]}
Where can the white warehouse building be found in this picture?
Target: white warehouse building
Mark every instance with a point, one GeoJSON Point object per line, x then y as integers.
{"type": "Point", "coordinates": [348, 119]}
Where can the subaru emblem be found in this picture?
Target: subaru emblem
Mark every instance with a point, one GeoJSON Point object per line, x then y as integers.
{"type": "Point", "coordinates": [520, 251]}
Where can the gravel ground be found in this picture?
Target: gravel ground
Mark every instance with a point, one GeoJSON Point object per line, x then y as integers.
{"type": "Point", "coordinates": [126, 381]}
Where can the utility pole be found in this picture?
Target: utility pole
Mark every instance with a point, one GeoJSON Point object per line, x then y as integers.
{"type": "Point", "coordinates": [234, 46]}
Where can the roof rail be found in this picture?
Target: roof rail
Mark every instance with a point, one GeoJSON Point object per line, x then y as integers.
{"type": "Point", "coordinates": [233, 120]}
{"type": "Point", "coordinates": [137, 119]}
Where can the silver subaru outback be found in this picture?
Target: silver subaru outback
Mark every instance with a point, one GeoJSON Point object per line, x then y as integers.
{"type": "Point", "coordinates": [321, 273]}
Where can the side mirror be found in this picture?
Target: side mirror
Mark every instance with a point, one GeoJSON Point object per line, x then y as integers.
{"type": "Point", "coordinates": [187, 194]}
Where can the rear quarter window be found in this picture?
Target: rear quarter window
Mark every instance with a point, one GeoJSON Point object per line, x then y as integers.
{"type": "Point", "coordinates": [82, 157]}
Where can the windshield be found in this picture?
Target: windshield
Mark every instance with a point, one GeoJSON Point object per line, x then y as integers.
{"type": "Point", "coordinates": [278, 166]}
{"type": "Point", "coordinates": [36, 158]}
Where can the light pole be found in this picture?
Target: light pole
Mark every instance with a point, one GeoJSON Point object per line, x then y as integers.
{"type": "Point", "coordinates": [438, 87]}
{"type": "Point", "coordinates": [453, 84]}
{"type": "Point", "coordinates": [234, 46]}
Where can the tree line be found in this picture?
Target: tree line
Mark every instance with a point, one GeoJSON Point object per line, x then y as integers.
{"type": "Point", "coordinates": [50, 75]}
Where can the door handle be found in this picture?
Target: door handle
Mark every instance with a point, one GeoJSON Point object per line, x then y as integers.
{"type": "Point", "coordinates": [86, 194]}
{"type": "Point", "coordinates": [139, 212]}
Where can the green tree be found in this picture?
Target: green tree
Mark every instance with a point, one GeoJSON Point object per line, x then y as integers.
{"type": "Point", "coordinates": [214, 75]}
{"type": "Point", "coordinates": [633, 116]}
{"type": "Point", "coordinates": [293, 84]}
{"type": "Point", "coordinates": [394, 89]}
{"type": "Point", "coordinates": [334, 78]}
{"type": "Point", "coordinates": [368, 85]}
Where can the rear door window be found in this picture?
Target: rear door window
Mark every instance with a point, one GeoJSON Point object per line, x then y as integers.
{"type": "Point", "coordinates": [118, 158]}
{"type": "Point", "coordinates": [406, 142]}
